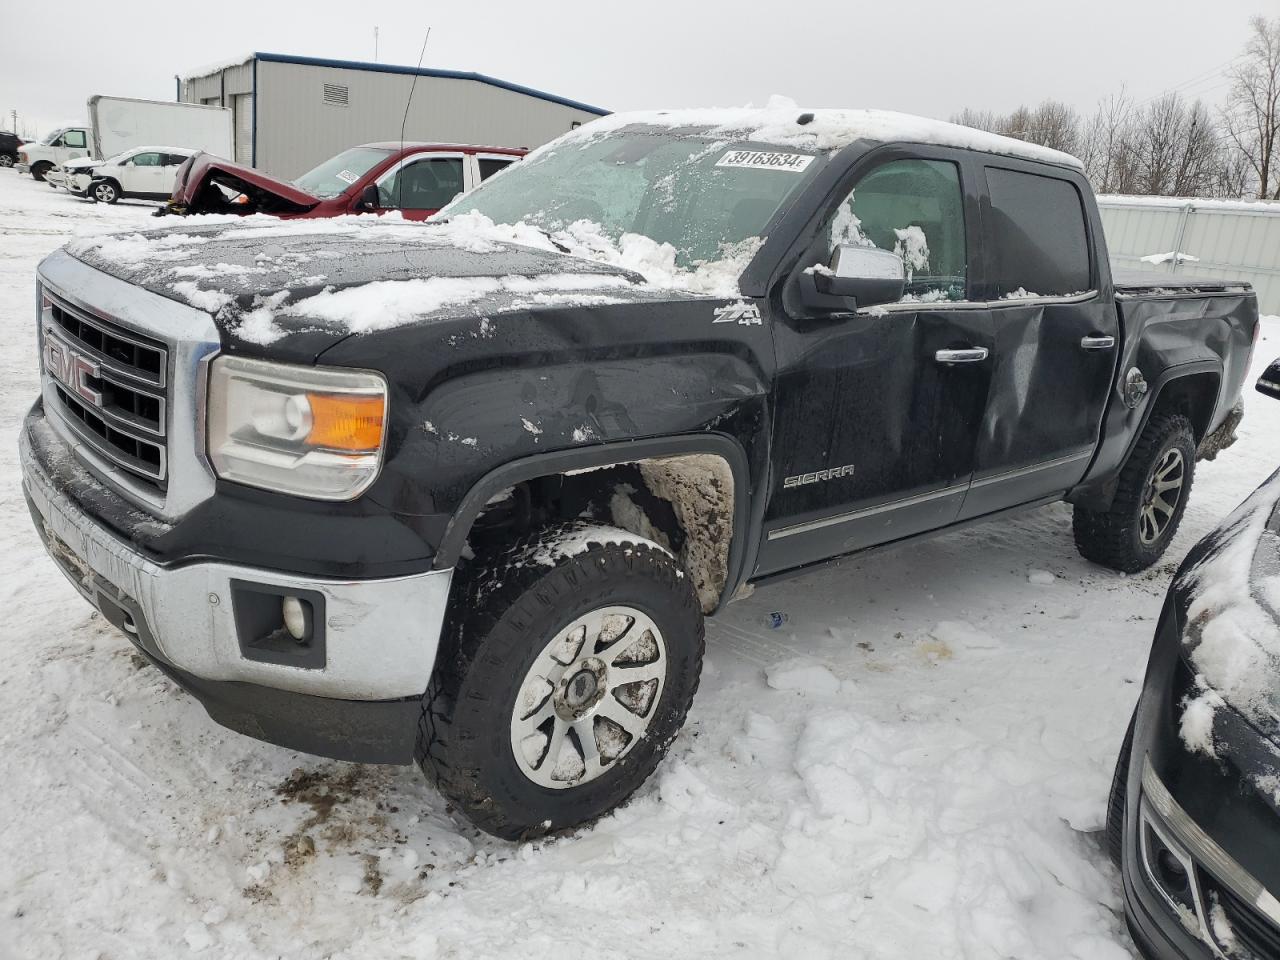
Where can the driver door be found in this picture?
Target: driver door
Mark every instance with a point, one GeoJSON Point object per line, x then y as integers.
{"type": "Point", "coordinates": [875, 418]}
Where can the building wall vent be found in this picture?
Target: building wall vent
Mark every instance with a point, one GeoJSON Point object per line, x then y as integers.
{"type": "Point", "coordinates": [336, 94]}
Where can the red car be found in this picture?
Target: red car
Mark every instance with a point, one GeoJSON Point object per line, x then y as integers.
{"type": "Point", "coordinates": [414, 178]}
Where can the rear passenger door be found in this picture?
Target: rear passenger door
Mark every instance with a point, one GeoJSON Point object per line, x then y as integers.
{"type": "Point", "coordinates": [1056, 338]}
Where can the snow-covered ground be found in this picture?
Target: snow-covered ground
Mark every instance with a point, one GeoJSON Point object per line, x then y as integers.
{"type": "Point", "coordinates": [914, 764]}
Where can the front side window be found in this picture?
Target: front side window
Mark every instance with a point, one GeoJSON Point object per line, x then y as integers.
{"type": "Point", "coordinates": [915, 209]}
{"type": "Point", "coordinates": [1037, 236]}
{"type": "Point", "coordinates": [145, 160]}
{"type": "Point", "coordinates": [422, 184]}
{"type": "Point", "coordinates": [73, 138]}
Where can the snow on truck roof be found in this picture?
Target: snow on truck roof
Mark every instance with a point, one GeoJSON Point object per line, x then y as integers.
{"type": "Point", "coordinates": [784, 123]}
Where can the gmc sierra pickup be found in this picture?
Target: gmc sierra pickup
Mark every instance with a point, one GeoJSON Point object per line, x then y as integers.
{"type": "Point", "coordinates": [463, 491]}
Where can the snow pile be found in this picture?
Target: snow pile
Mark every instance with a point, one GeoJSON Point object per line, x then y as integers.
{"type": "Point", "coordinates": [1169, 256]}
{"type": "Point", "coordinates": [778, 123]}
{"type": "Point", "coordinates": [1233, 640]}
{"type": "Point", "coordinates": [650, 267]}
{"type": "Point", "coordinates": [390, 303]}
{"type": "Point", "coordinates": [136, 249]}
{"type": "Point", "coordinates": [578, 538]}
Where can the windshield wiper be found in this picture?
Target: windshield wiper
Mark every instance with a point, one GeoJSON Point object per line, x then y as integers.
{"type": "Point", "coordinates": [554, 242]}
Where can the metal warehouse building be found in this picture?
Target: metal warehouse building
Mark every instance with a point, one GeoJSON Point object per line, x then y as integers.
{"type": "Point", "coordinates": [291, 113]}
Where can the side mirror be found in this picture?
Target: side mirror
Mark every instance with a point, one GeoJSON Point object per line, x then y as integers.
{"type": "Point", "coordinates": [1269, 382]}
{"type": "Point", "coordinates": [369, 199]}
{"type": "Point", "coordinates": [866, 275]}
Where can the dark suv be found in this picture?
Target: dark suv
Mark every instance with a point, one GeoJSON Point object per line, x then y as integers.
{"type": "Point", "coordinates": [9, 144]}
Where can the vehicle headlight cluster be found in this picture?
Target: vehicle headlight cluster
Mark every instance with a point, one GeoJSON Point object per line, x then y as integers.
{"type": "Point", "coordinates": [314, 432]}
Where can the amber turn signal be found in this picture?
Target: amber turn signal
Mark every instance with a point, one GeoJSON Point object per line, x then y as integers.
{"type": "Point", "coordinates": [341, 422]}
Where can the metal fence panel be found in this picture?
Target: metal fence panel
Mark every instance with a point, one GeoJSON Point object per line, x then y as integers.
{"type": "Point", "coordinates": [1233, 240]}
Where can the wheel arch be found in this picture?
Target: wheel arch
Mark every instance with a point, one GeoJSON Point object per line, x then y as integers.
{"type": "Point", "coordinates": [1190, 388]}
{"type": "Point", "coordinates": [603, 456]}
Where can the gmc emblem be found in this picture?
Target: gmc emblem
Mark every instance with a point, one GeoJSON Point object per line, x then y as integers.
{"type": "Point", "coordinates": [70, 369]}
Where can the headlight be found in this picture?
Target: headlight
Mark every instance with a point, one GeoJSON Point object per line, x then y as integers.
{"type": "Point", "coordinates": [309, 431]}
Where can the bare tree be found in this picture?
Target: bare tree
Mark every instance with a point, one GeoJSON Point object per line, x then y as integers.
{"type": "Point", "coordinates": [1107, 145]}
{"type": "Point", "coordinates": [978, 119]}
{"type": "Point", "coordinates": [1252, 115]}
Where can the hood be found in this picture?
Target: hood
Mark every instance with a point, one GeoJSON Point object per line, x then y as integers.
{"type": "Point", "coordinates": [265, 280]}
{"type": "Point", "coordinates": [1229, 597]}
{"type": "Point", "coordinates": [209, 184]}
{"type": "Point", "coordinates": [82, 163]}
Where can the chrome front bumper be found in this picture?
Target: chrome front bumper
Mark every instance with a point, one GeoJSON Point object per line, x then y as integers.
{"type": "Point", "coordinates": [380, 635]}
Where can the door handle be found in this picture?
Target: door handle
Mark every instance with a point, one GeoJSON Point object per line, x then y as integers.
{"type": "Point", "coordinates": [967, 355]}
{"type": "Point", "coordinates": [1095, 342]}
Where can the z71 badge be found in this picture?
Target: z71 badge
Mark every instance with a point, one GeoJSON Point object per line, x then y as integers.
{"type": "Point", "coordinates": [818, 476]}
{"type": "Point", "coordinates": [747, 314]}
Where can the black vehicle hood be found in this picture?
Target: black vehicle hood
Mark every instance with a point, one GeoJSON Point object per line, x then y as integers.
{"type": "Point", "coordinates": [300, 286]}
{"type": "Point", "coordinates": [1228, 596]}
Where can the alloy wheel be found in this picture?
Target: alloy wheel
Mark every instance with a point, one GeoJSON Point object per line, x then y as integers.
{"type": "Point", "coordinates": [1160, 500]}
{"type": "Point", "coordinates": [589, 697]}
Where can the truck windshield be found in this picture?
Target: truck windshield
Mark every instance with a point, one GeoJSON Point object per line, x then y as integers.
{"type": "Point", "coordinates": [337, 174]}
{"type": "Point", "coordinates": [698, 193]}
{"type": "Point", "coordinates": [52, 136]}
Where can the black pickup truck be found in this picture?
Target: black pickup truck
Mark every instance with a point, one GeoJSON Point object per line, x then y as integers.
{"type": "Point", "coordinates": [462, 492]}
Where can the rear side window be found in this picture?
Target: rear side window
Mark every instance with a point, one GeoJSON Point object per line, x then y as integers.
{"type": "Point", "coordinates": [1038, 240]}
{"type": "Point", "coordinates": [489, 166]}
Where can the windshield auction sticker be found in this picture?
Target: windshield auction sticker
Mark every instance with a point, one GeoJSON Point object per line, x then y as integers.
{"type": "Point", "coordinates": [347, 176]}
{"type": "Point", "coordinates": [794, 162]}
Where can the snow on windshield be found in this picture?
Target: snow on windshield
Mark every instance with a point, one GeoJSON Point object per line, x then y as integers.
{"type": "Point", "coordinates": [1232, 637]}
{"type": "Point", "coordinates": [702, 196]}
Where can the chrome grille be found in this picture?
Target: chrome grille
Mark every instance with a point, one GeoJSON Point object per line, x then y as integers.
{"type": "Point", "coordinates": [110, 385]}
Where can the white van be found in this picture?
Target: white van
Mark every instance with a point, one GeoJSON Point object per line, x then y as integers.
{"type": "Point", "coordinates": [55, 149]}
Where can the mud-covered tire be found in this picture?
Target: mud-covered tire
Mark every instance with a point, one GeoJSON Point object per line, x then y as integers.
{"type": "Point", "coordinates": [39, 170]}
{"type": "Point", "coordinates": [1116, 797]}
{"type": "Point", "coordinates": [503, 613]}
{"type": "Point", "coordinates": [1114, 538]}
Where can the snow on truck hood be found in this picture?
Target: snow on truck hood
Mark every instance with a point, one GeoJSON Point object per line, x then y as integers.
{"type": "Point", "coordinates": [263, 278]}
{"type": "Point", "coordinates": [777, 123]}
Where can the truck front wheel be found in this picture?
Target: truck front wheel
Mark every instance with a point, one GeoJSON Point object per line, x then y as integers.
{"type": "Point", "coordinates": [567, 669]}
{"type": "Point", "coordinates": [1150, 499]}
{"type": "Point", "coordinates": [40, 169]}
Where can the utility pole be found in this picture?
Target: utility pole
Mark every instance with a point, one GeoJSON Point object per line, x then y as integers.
{"type": "Point", "coordinates": [375, 44]}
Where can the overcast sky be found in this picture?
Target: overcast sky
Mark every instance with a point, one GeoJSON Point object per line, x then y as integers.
{"type": "Point", "coordinates": [925, 57]}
